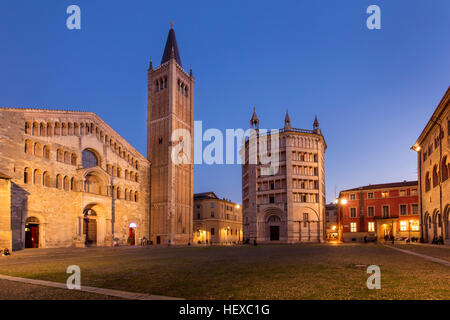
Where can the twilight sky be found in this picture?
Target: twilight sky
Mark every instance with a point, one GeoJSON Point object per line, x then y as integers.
{"type": "Point", "coordinates": [372, 90]}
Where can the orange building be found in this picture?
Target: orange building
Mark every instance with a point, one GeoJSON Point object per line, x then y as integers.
{"type": "Point", "coordinates": [379, 211]}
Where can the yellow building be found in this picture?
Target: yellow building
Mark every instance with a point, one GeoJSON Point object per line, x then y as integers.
{"type": "Point", "coordinates": [216, 221]}
{"type": "Point", "coordinates": [433, 149]}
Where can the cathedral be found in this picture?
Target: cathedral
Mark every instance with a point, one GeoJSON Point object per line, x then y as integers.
{"type": "Point", "coordinates": [68, 179]}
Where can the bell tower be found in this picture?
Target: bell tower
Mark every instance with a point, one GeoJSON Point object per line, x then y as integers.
{"type": "Point", "coordinates": [170, 106]}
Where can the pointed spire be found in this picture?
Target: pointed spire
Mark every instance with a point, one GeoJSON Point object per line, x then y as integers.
{"type": "Point", "coordinates": [190, 72]}
{"type": "Point", "coordinates": [287, 121]}
{"type": "Point", "coordinates": [254, 122]}
{"type": "Point", "coordinates": [151, 64]}
{"type": "Point", "coordinates": [316, 123]}
{"type": "Point", "coordinates": [171, 49]}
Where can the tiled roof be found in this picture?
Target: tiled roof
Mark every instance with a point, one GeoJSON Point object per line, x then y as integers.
{"type": "Point", "coordinates": [385, 186]}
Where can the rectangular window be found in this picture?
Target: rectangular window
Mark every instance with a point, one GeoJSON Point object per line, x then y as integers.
{"type": "Point", "coordinates": [353, 227]}
{"type": "Point", "coordinates": [385, 211]}
{"type": "Point", "coordinates": [352, 212]}
{"type": "Point", "coordinates": [403, 211]}
{"type": "Point", "coordinates": [402, 193]}
{"type": "Point", "coordinates": [198, 215]}
{"type": "Point", "coordinates": [403, 225]}
{"type": "Point", "coordinates": [212, 231]}
{"type": "Point", "coordinates": [271, 199]}
{"type": "Point", "coordinates": [352, 196]}
{"type": "Point", "coordinates": [384, 194]}
{"type": "Point", "coordinates": [414, 192]}
{"type": "Point", "coordinates": [370, 211]}
{"type": "Point", "coordinates": [370, 195]}
{"type": "Point", "coordinates": [212, 204]}
{"type": "Point", "coordinates": [415, 208]}
{"type": "Point", "coordinates": [371, 227]}
{"type": "Point", "coordinates": [415, 225]}
{"type": "Point", "coordinates": [212, 214]}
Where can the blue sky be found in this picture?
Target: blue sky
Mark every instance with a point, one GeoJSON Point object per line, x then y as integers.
{"type": "Point", "coordinates": [372, 90]}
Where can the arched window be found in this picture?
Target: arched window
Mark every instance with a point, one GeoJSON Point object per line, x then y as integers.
{"type": "Point", "coordinates": [119, 193]}
{"type": "Point", "coordinates": [35, 129]}
{"type": "Point", "coordinates": [63, 129]}
{"type": "Point", "coordinates": [37, 179]}
{"type": "Point", "coordinates": [42, 130]}
{"type": "Point", "coordinates": [136, 196]}
{"type": "Point", "coordinates": [126, 194]}
{"type": "Point", "coordinates": [119, 172]}
{"type": "Point", "coordinates": [73, 159]}
{"type": "Point", "coordinates": [136, 178]}
{"type": "Point", "coordinates": [66, 183]}
{"type": "Point", "coordinates": [66, 157]}
{"type": "Point", "coordinates": [59, 155]}
{"type": "Point", "coordinates": [435, 176]}
{"type": "Point", "coordinates": [27, 128]}
{"type": "Point", "coordinates": [57, 129]}
{"type": "Point", "coordinates": [59, 182]}
{"type": "Point", "coordinates": [444, 169]}
{"type": "Point", "coordinates": [27, 175]}
{"type": "Point", "coordinates": [46, 179]}
{"type": "Point", "coordinates": [28, 147]}
{"type": "Point", "coordinates": [427, 182]}
{"type": "Point", "coordinates": [72, 184]}
{"type": "Point", "coordinates": [49, 130]}
{"type": "Point", "coordinates": [38, 149]}
{"type": "Point", "coordinates": [46, 152]}
{"type": "Point", "coordinates": [89, 159]}
{"type": "Point", "coordinates": [127, 176]}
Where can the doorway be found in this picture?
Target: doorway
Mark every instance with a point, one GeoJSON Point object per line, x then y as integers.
{"type": "Point", "coordinates": [90, 227]}
{"type": "Point", "coordinates": [32, 233]}
{"type": "Point", "coordinates": [274, 233]}
{"type": "Point", "coordinates": [132, 234]}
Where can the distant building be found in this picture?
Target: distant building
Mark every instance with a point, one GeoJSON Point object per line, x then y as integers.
{"type": "Point", "coordinates": [216, 221]}
{"type": "Point", "coordinates": [287, 205]}
{"type": "Point", "coordinates": [382, 211]}
{"type": "Point", "coordinates": [433, 150]}
{"type": "Point", "coordinates": [331, 214]}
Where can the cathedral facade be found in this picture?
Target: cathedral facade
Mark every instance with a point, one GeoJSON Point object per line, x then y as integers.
{"type": "Point", "coordinates": [69, 180]}
{"type": "Point", "coordinates": [287, 205]}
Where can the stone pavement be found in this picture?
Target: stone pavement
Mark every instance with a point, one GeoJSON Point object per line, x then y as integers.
{"type": "Point", "coordinates": [437, 260]}
{"type": "Point", "coordinates": [100, 291]}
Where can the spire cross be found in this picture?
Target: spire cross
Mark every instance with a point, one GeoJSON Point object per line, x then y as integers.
{"type": "Point", "coordinates": [171, 24]}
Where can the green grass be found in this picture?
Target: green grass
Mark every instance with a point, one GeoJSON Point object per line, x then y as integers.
{"type": "Point", "coordinates": [245, 272]}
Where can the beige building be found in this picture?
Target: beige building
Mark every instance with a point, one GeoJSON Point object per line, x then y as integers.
{"type": "Point", "coordinates": [433, 150]}
{"type": "Point", "coordinates": [68, 179]}
{"type": "Point", "coordinates": [216, 221]}
{"type": "Point", "coordinates": [331, 222]}
{"type": "Point", "coordinates": [289, 204]}
{"type": "Point", "coordinates": [171, 108]}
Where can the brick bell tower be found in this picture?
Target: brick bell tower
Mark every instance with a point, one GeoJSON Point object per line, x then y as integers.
{"type": "Point", "coordinates": [170, 106]}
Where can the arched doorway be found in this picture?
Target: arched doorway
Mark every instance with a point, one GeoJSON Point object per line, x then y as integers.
{"type": "Point", "coordinates": [32, 233]}
{"type": "Point", "coordinates": [90, 227]}
{"type": "Point", "coordinates": [274, 225]}
{"type": "Point", "coordinates": [132, 234]}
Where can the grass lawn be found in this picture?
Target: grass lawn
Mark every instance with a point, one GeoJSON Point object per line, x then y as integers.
{"type": "Point", "coordinates": [243, 272]}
